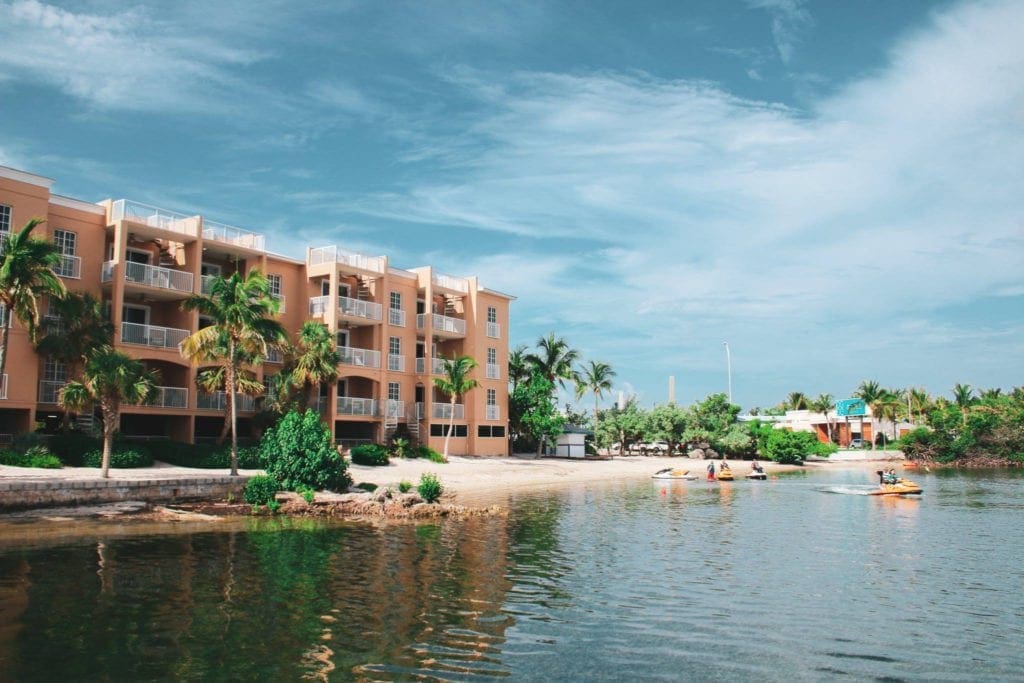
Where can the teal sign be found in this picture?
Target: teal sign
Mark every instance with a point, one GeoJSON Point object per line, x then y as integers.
{"type": "Point", "coordinates": [851, 407]}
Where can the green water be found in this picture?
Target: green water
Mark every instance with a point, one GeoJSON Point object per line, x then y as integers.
{"type": "Point", "coordinates": [800, 577]}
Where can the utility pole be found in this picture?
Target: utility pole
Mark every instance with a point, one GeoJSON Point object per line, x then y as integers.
{"type": "Point", "coordinates": [728, 366]}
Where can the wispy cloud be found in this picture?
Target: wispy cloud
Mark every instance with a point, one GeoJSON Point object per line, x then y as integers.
{"type": "Point", "coordinates": [790, 19]}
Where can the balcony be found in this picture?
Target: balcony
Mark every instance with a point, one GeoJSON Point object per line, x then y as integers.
{"type": "Point", "coordinates": [49, 391]}
{"type": "Point", "coordinates": [206, 283]}
{"type": "Point", "coordinates": [358, 309]}
{"type": "Point", "coordinates": [218, 400]}
{"type": "Point", "coordinates": [396, 363]}
{"type": "Point", "coordinates": [152, 335]}
{"type": "Point", "coordinates": [275, 356]}
{"type": "Point", "coordinates": [493, 413]}
{"type": "Point", "coordinates": [494, 330]}
{"type": "Point", "coordinates": [445, 411]}
{"type": "Point", "coordinates": [443, 325]}
{"type": "Point", "coordinates": [359, 357]}
{"type": "Point", "coordinates": [348, 405]}
{"type": "Point", "coordinates": [3, 386]}
{"type": "Point", "coordinates": [171, 397]}
{"type": "Point", "coordinates": [359, 262]}
{"type": "Point", "coordinates": [436, 366]}
{"type": "Point", "coordinates": [493, 371]}
{"type": "Point", "coordinates": [396, 317]}
{"type": "Point", "coordinates": [151, 276]}
{"type": "Point", "coordinates": [419, 411]}
{"type": "Point", "coordinates": [151, 216]}
{"type": "Point", "coordinates": [69, 267]}
{"type": "Point", "coordinates": [247, 239]}
{"type": "Point", "coordinates": [455, 284]}
{"type": "Point", "coordinates": [394, 408]}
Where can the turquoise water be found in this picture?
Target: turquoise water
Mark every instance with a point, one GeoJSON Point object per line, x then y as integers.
{"type": "Point", "coordinates": [799, 577]}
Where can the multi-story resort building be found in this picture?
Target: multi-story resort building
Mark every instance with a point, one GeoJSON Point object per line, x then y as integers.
{"type": "Point", "coordinates": [393, 326]}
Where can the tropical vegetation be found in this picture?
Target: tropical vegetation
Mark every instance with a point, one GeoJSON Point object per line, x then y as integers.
{"type": "Point", "coordinates": [455, 382]}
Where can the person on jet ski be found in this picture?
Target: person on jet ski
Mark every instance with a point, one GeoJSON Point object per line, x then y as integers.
{"type": "Point", "coordinates": [724, 467]}
{"type": "Point", "coordinates": [756, 467]}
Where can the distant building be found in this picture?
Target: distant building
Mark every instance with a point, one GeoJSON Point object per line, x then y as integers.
{"type": "Point", "coordinates": [844, 429]}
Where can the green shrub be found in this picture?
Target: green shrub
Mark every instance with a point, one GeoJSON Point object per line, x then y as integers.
{"type": "Point", "coordinates": [298, 451]}
{"type": "Point", "coordinates": [786, 447]}
{"type": "Point", "coordinates": [430, 454]}
{"type": "Point", "coordinates": [124, 458]}
{"type": "Point", "coordinates": [25, 441]}
{"type": "Point", "coordinates": [370, 454]}
{"type": "Point", "coordinates": [404, 486]}
{"type": "Point", "coordinates": [71, 447]}
{"type": "Point", "coordinates": [430, 488]}
{"type": "Point", "coordinates": [37, 456]}
{"type": "Point", "coordinates": [261, 489]}
{"type": "Point", "coordinates": [273, 506]}
{"type": "Point", "coordinates": [400, 447]}
{"type": "Point", "coordinates": [823, 450]}
{"type": "Point", "coordinates": [307, 493]}
{"type": "Point", "coordinates": [367, 486]}
{"type": "Point", "coordinates": [9, 457]}
{"type": "Point", "coordinates": [205, 455]}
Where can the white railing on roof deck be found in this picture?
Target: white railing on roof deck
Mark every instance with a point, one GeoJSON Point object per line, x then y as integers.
{"type": "Point", "coordinates": [171, 397]}
{"type": "Point", "coordinates": [229, 234]}
{"type": "Point", "coordinates": [317, 255]}
{"type": "Point", "coordinates": [152, 335]}
{"type": "Point", "coordinates": [156, 276]}
{"type": "Point", "coordinates": [446, 410]}
{"type": "Point", "coordinates": [441, 323]}
{"type": "Point", "coordinates": [396, 317]}
{"type": "Point", "coordinates": [459, 284]}
{"type": "Point", "coordinates": [124, 209]}
{"type": "Point", "coordinates": [3, 386]}
{"type": "Point", "coordinates": [361, 357]}
{"type": "Point", "coordinates": [218, 400]}
{"type": "Point", "coordinates": [359, 308]}
{"type": "Point", "coordinates": [69, 267]}
{"type": "Point", "coordinates": [493, 413]}
{"type": "Point", "coordinates": [348, 405]}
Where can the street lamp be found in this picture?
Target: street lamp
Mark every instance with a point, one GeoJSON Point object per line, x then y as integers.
{"type": "Point", "coordinates": [728, 365]}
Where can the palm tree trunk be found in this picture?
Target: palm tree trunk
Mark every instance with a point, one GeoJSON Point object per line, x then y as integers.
{"type": "Point", "coordinates": [230, 377]}
{"type": "Point", "coordinates": [451, 426]}
{"type": "Point", "coordinates": [595, 410]}
{"type": "Point", "coordinates": [109, 419]}
{"type": "Point", "coordinates": [225, 428]}
{"type": "Point", "coordinates": [7, 334]}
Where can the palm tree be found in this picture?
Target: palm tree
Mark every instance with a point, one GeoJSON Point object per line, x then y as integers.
{"type": "Point", "coordinates": [241, 329]}
{"type": "Point", "coordinates": [990, 394]}
{"type": "Point", "coordinates": [919, 401]}
{"type": "Point", "coordinates": [554, 359]}
{"type": "Point", "coordinates": [110, 378]}
{"type": "Point", "coordinates": [963, 396]}
{"type": "Point", "coordinates": [890, 407]}
{"type": "Point", "coordinates": [596, 378]}
{"type": "Point", "coordinates": [823, 404]}
{"type": "Point", "coordinates": [317, 359]}
{"type": "Point", "coordinates": [870, 392]}
{"type": "Point", "coordinates": [797, 401]}
{"type": "Point", "coordinates": [455, 381]}
{"type": "Point", "coordinates": [25, 275]}
{"type": "Point", "coordinates": [82, 328]}
{"type": "Point", "coordinates": [518, 366]}
{"type": "Point", "coordinates": [211, 380]}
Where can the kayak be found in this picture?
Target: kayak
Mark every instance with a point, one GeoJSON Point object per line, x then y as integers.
{"type": "Point", "coordinates": [757, 475]}
{"type": "Point", "coordinates": [670, 473]}
{"type": "Point", "coordinates": [725, 475]}
{"type": "Point", "coordinates": [902, 486]}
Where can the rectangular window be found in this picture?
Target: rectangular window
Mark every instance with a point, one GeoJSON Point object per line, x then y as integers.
{"type": "Point", "coordinates": [488, 431]}
{"type": "Point", "coordinates": [492, 314]}
{"type": "Point", "coordinates": [441, 429]}
{"type": "Point", "coordinates": [66, 241]}
{"type": "Point", "coordinates": [395, 346]}
{"type": "Point", "coordinates": [396, 301]}
{"type": "Point", "coordinates": [394, 391]}
{"type": "Point", "coordinates": [5, 218]}
{"type": "Point", "coordinates": [54, 371]}
{"type": "Point", "coordinates": [492, 397]}
{"type": "Point", "coordinates": [493, 328]}
{"type": "Point", "coordinates": [274, 281]}
{"type": "Point", "coordinates": [70, 265]}
{"type": "Point", "coordinates": [492, 355]}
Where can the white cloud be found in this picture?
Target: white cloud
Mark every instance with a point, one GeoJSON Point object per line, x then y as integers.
{"type": "Point", "coordinates": [790, 19]}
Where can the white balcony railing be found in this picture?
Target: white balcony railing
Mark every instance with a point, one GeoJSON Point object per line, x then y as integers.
{"type": "Point", "coordinates": [206, 283]}
{"type": "Point", "coordinates": [318, 305]}
{"type": "Point", "coordinates": [436, 366]}
{"type": "Point", "coordinates": [124, 209]}
{"type": "Point", "coordinates": [156, 276]}
{"type": "Point", "coordinates": [444, 411]}
{"type": "Point", "coordinates": [459, 284]}
{"type": "Point", "coordinates": [493, 413]}
{"type": "Point", "coordinates": [318, 255]}
{"type": "Point", "coordinates": [493, 330]}
{"type": "Point", "coordinates": [359, 357]}
{"type": "Point", "coordinates": [3, 386]}
{"type": "Point", "coordinates": [152, 335]}
{"type": "Point", "coordinates": [419, 410]}
{"type": "Point", "coordinates": [275, 356]}
{"type": "Point", "coordinates": [107, 271]}
{"type": "Point", "coordinates": [394, 408]}
{"type": "Point", "coordinates": [396, 363]}
{"type": "Point", "coordinates": [348, 405]}
{"type": "Point", "coordinates": [219, 232]}
{"type": "Point", "coordinates": [49, 391]}
{"type": "Point", "coordinates": [218, 400]}
{"type": "Point", "coordinates": [171, 397]}
{"type": "Point", "coordinates": [69, 267]}
{"type": "Point", "coordinates": [421, 366]}
{"type": "Point", "coordinates": [396, 317]}
{"type": "Point", "coordinates": [359, 308]}
{"type": "Point", "coordinates": [442, 323]}
{"type": "Point", "coordinates": [493, 371]}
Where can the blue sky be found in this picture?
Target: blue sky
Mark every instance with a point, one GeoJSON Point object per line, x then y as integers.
{"type": "Point", "coordinates": [835, 188]}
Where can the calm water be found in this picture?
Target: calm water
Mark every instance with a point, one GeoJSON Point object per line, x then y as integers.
{"type": "Point", "coordinates": [798, 577]}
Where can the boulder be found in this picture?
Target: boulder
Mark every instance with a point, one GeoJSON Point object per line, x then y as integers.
{"type": "Point", "coordinates": [697, 454]}
{"type": "Point", "coordinates": [710, 453]}
{"type": "Point", "coordinates": [409, 499]}
{"type": "Point", "coordinates": [381, 495]}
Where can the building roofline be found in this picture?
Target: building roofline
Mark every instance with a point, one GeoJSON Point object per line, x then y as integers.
{"type": "Point", "coordinates": [26, 177]}
{"type": "Point", "coordinates": [495, 292]}
{"type": "Point", "coordinates": [80, 205]}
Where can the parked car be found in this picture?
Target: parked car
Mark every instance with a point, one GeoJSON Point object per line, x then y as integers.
{"type": "Point", "coordinates": [857, 443]}
{"type": "Point", "coordinates": [654, 448]}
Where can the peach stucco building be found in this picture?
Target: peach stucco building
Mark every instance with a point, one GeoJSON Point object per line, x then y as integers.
{"type": "Point", "coordinates": [393, 325]}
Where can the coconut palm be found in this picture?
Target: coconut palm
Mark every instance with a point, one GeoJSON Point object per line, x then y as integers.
{"type": "Point", "coordinates": [26, 274]}
{"type": "Point", "coordinates": [211, 380]}
{"type": "Point", "coordinates": [990, 394]}
{"type": "Point", "coordinates": [871, 392]}
{"type": "Point", "coordinates": [316, 360]}
{"type": "Point", "coordinates": [518, 366]}
{"type": "Point", "coordinates": [823, 404]}
{"type": "Point", "coordinates": [963, 396]}
{"type": "Point", "coordinates": [554, 359]}
{"type": "Point", "coordinates": [797, 401]}
{"type": "Point", "coordinates": [79, 329]}
{"type": "Point", "coordinates": [889, 407]}
{"type": "Point", "coordinates": [919, 402]}
{"type": "Point", "coordinates": [241, 329]}
{"type": "Point", "coordinates": [455, 381]}
{"type": "Point", "coordinates": [596, 378]}
{"type": "Point", "coordinates": [110, 378]}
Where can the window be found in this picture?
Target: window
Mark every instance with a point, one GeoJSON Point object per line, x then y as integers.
{"type": "Point", "coordinates": [492, 314]}
{"type": "Point", "coordinates": [396, 301]}
{"type": "Point", "coordinates": [442, 429]}
{"type": "Point", "coordinates": [489, 431]}
{"type": "Point", "coordinates": [274, 281]}
{"type": "Point", "coordinates": [493, 328]}
{"type": "Point", "coordinates": [492, 355]}
{"type": "Point", "coordinates": [395, 346]}
{"type": "Point", "coordinates": [209, 268]}
{"type": "Point", "coordinates": [492, 397]}
{"type": "Point", "coordinates": [139, 315]}
{"type": "Point", "coordinates": [396, 316]}
{"type": "Point", "coordinates": [5, 218]}
{"type": "Point", "coordinates": [70, 265]}
{"type": "Point", "coordinates": [54, 371]}
{"type": "Point", "coordinates": [394, 391]}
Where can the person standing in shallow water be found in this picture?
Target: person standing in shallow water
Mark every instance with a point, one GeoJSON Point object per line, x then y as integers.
{"type": "Point", "coordinates": [711, 470]}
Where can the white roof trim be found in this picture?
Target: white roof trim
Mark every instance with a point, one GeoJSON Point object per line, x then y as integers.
{"type": "Point", "coordinates": [26, 177]}
{"type": "Point", "coordinates": [401, 273]}
{"type": "Point", "coordinates": [72, 203]}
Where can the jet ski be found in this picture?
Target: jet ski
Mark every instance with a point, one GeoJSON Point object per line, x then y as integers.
{"type": "Point", "coordinates": [900, 487]}
{"type": "Point", "coordinates": [669, 473]}
{"type": "Point", "coordinates": [757, 474]}
{"type": "Point", "coordinates": [725, 475]}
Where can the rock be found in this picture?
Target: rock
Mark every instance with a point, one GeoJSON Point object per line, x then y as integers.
{"type": "Point", "coordinates": [409, 499]}
{"type": "Point", "coordinates": [381, 495]}
{"type": "Point", "coordinates": [710, 453]}
{"type": "Point", "coordinates": [696, 454]}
